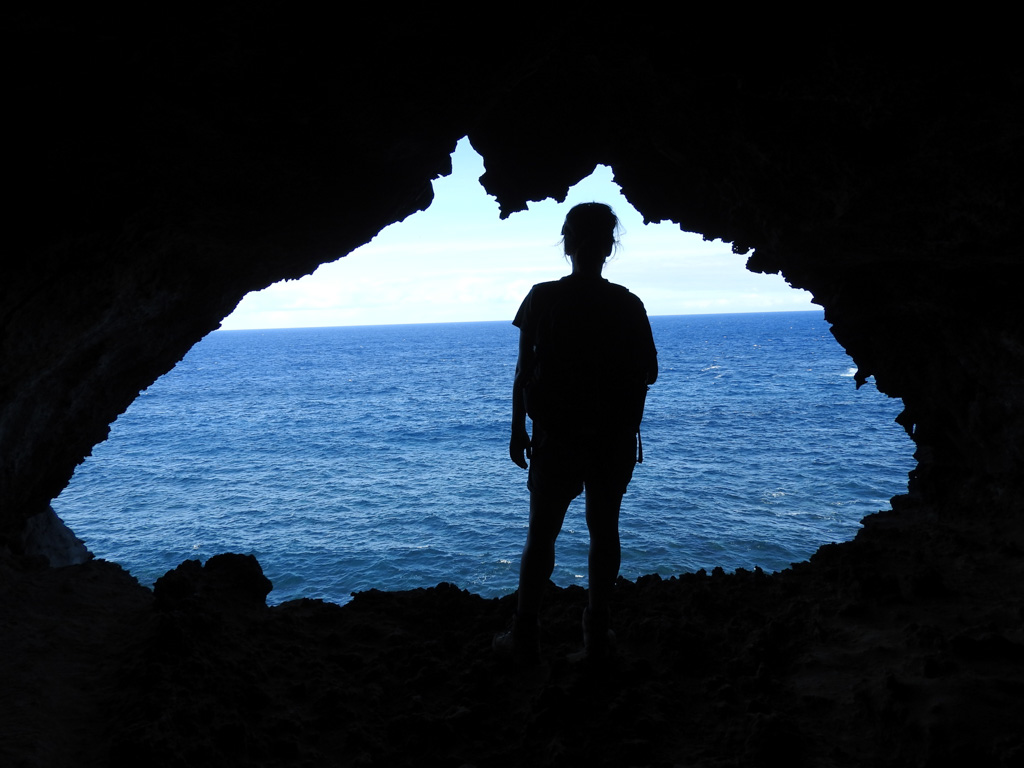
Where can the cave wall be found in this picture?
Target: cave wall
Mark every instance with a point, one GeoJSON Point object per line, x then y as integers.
{"type": "Point", "coordinates": [166, 166]}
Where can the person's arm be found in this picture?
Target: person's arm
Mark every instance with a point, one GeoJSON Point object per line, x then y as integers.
{"type": "Point", "coordinates": [519, 445]}
{"type": "Point", "coordinates": [652, 366]}
{"type": "Point", "coordinates": [652, 351]}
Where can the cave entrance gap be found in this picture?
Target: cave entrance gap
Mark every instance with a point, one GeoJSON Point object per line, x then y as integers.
{"type": "Point", "coordinates": [347, 452]}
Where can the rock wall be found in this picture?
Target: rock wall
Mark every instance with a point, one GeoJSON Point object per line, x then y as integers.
{"type": "Point", "coordinates": [166, 166]}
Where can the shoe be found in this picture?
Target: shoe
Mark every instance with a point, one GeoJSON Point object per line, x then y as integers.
{"type": "Point", "coordinates": [520, 642]}
{"type": "Point", "coordinates": [598, 639]}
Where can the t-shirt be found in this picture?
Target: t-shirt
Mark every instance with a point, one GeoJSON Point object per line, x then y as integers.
{"type": "Point", "coordinates": [590, 355]}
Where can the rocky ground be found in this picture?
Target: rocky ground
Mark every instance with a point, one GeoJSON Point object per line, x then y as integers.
{"type": "Point", "coordinates": [902, 648]}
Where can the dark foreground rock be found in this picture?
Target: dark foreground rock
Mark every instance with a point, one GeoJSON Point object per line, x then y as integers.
{"type": "Point", "coordinates": [873, 653]}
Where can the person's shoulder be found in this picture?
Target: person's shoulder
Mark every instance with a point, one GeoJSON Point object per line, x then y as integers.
{"type": "Point", "coordinates": [621, 289]}
{"type": "Point", "coordinates": [540, 295]}
{"type": "Point", "coordinates": [626, 296]}
{"type": "Point", "coordinates": [550, 285]}
{"type": "Point", "coordinates": [542, 291]}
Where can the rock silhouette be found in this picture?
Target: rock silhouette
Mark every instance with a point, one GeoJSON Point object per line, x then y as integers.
{"type": "Point", "coordinates": [163, 166]}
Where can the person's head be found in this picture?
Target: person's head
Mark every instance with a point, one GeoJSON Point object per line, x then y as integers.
{"type": "Point", "coordinates": [589, 233]}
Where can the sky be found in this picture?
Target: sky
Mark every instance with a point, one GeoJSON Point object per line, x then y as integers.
{"type": "Point", "coordinates": [459, 262]}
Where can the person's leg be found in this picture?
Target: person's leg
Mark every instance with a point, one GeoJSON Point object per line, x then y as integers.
{"type": "Point", "coordinates": [546, 516]}
{"type": "Point", "coordinates": [522, 640]}
{"type": "Point", "coordinates": [605, 550]}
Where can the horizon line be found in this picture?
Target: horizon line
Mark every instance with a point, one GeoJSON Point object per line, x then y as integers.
{"type": "Point", "coordinates": [469, 322]}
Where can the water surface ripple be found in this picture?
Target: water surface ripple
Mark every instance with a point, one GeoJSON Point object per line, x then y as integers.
{"type": "Point", "coordinates": [352, 458]}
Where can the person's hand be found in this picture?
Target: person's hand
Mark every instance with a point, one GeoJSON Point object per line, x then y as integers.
{"type": "Point", "coordinates": [519, 449]}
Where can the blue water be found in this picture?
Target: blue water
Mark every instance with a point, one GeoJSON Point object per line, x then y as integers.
{"type": "Point", "coordinates": [352, 458]}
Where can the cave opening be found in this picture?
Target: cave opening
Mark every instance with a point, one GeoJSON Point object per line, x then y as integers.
{"type": "Point", "coordinates": [236, 449]}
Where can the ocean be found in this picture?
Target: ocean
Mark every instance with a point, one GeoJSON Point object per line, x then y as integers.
{"type": "Point", "coordinates": [354, 458]}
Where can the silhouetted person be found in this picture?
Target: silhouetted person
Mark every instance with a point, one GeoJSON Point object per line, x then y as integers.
{"type": "Point", "coordinates": [586, 357]}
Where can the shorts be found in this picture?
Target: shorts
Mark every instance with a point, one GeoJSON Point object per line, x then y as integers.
{"type": "Point", "coordinates": [565, 465]}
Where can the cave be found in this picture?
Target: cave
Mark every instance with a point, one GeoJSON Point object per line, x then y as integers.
{"type": "Point", "coordinates": [169, 507]}
{"type": "Point", "coordinates": [166, 165]}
